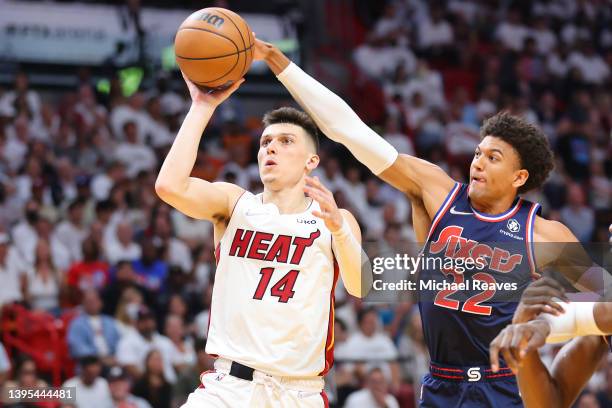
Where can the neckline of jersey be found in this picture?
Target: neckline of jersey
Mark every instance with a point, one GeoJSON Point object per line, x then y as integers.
{"type": "Point", "coordinates": [260, 199]}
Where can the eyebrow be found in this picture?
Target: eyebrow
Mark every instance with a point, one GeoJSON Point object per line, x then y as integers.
{"type": "Point", "coordinates": [278, 134]}
{"type": "Point", "coordinates": [493, 150]}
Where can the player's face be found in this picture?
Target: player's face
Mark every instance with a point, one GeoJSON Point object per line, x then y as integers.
{"type": "Point", "coordinates": [286, 154]}
{"type": "Point", "coordinates": [495, 170]}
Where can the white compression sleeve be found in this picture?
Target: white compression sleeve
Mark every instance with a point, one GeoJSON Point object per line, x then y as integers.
{"type": "Point", "coordinates": [349, 254]}
{"type": "Point", "coordinates": [337, 120]}
{"type": "Point", "coordinates": [578, 320]}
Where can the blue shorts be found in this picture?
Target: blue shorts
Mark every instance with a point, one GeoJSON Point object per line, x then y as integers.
{"type": "Point", "coordinates": [473, 387]}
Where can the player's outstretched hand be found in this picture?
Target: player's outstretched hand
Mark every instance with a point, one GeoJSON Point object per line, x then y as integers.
{"type": "Point", "coordinates": [212, 97]}
{"type": "Point", "coordinates": [515, 341]}
{"type": "Point", "coordinates": [539, 298]}
{"type": "Point", "coordinates": [329, 209]}
{"type": "Point", "coordinates": [261, 49]}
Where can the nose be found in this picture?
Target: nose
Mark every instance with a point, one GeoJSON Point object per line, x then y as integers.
{"type": "Point", "coordinates": [271, 148]}
{"type": "Point", "coordinates": [477, 163]}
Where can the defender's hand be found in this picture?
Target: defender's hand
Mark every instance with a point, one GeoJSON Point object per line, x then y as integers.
{"type": "Point", "coordinates": [515, 341]}
{"type": "Point", "coordinates": [262, 49]}
{"type": "Point", "coordinates": [329, 210]}
{"type": "Point", "coordinates": [212, 98]}
{"type": "Point", "coordinates": [538, 298]}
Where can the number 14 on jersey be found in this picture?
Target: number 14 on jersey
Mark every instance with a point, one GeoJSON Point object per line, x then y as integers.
{"type": "Point", "coordinates": [283, 289]}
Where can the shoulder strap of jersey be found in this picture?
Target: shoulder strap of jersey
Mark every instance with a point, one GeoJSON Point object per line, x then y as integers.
{"type": "Point", "coordinates": [448, 201]}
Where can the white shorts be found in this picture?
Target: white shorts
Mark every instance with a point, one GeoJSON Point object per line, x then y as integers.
{"type": "Point", "coordinates": [219, 389]}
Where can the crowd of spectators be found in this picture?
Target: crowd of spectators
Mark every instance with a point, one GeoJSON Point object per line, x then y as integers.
{"type": "Point", "coordinates": [82, 231]}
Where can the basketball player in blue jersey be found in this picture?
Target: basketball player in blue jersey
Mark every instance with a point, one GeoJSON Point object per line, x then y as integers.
{"type": "Point", "coordinates": [484, 219]}
{"type": "Point", "coordinates": [573, 365]}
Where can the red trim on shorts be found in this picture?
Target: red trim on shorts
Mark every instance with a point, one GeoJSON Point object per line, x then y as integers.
{"type": "Point", "coordinates": [455, 370]}
{"type": "Point", "coordinates": [460, 377]}
{"type": "Point", "coordinates": [329, 343]}
{"type": "Point", "coordinates": [325, 400]}
{"type": "Point", "coordinates": [201, 375]}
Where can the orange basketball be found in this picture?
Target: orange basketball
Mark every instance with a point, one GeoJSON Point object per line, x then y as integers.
{"type": "Point", "coordinates": [214, 47]}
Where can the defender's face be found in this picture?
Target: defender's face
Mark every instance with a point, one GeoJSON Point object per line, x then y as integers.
{"type": "Point", "coordinates": [495, 169]}
{"type": "Point", "coordinates": [285, 155]}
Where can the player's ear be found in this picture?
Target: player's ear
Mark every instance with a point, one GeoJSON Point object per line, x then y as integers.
{"type": "Point", "coordinates": [313, 162]}
{"type": "Point", "coordinates": [520, 178]}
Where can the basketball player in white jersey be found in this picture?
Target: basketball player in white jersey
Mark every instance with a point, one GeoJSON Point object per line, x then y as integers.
{"type": "Point", "coordinates": [278, 254]}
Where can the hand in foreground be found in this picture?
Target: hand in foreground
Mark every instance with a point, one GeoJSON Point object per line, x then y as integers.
{"type": "Point", "coordinates": [212, 97]}
{"type": "Point", "coordinates": [329, 210]}
{"type": "Point", "coordinates": [538, 298]}
{"type": "Point", "coordinates": [262, 49]}
{"type": "Point", "coordinates": [515, 341]}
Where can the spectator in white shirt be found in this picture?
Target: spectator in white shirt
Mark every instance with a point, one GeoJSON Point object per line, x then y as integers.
{"type": "Point", "coordinates": [184, 354]}
{"type": "Point", "coordinates": [376, 393]}
{"type": "Point", "coordinates": [135, 345]}
{"type": "Point", "coordinates": [370, 346]}
{"type": "Point", "coordinates": [120, 385]}
{"type": "Point", "coordinates": [177, 252]}
{"type": "Point", "coordinates": [135, 156]}
{"type": "Point", "coordinates": [24, 233]}
{"type": "Point", "coordinates": [557, 62]}
{"type": "Point", "coordinates": [71, 232]}
{"type": "Point", "coordinates": [13, 272]}
{"type": "Point", "coordinates": [91, 389]}
{"type": "Point", "coordinates": [123, 247]}
{"type": "Point", "coordinates": [435, 32]}
{"type": "Point", "coordinates": [102, 183]}
{"type": "Point", "coordinates": [545, 38]}
{"type": "Point", "coordinates": [592, 67]}
{"type": "Point", "coordinates": [44, 285]}
{"type": "Point", "coordinates": [511, 32]}
{"type": "Point", "coordinates": [132, 111]}
{"type": "Point", "coordinates": [32, 99]}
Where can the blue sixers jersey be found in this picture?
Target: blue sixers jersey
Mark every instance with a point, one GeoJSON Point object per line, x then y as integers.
{"type": "Point", "coordinates": [485, 263]}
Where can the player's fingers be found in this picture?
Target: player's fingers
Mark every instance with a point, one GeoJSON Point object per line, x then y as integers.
{"type": "Point", "coordinates": [232, 88]}
{"type": "Point", "coordinates": [317, 196]}
{"type": "Point", "coordinates": [316, 183]}
{"type": "Point", "coordinates": [510, 361]}
{"type": "Point", "coordinates": [518, 341]}
{"type": "Point", "coordinates": [322, 215]}
{"type": "Point", "coordinates": [494, 353]}
{"type": "Point", "coordinates": [535, 342]}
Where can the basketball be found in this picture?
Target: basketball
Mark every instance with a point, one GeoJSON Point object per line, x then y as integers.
{"type": "Point", "coordinates": [214, 47]}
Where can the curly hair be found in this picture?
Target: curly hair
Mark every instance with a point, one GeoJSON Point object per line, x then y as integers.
{"type": "Point", "coordinates": [293, 116]}
{"type": "Point", "coordinates": [530, 143]}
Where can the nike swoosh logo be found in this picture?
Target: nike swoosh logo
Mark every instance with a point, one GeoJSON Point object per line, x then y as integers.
{"type": "Point", "coordinates": [248, 213]}
{"type": "Point", "coordinates": [453, 211]}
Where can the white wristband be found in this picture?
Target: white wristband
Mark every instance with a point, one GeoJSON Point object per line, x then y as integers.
{"type": "Point", "coordinates": [578, 320]}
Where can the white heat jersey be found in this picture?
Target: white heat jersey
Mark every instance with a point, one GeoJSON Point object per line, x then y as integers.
{"type": "Point", "coordinates": [272, 303]}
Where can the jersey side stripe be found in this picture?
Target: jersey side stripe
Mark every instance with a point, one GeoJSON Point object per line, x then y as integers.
{"type": "Point", "coordinates": [329, 343]}
{"type": "Point", "coordinates": [529, 239]}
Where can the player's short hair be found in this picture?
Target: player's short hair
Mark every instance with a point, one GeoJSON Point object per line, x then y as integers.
{"type": "Point", "coordinates": [530, 143]}
{"type": "Point", "coordinates": [296, 117]}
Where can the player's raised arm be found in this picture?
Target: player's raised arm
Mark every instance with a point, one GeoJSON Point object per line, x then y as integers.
{"type": "Point", "coordinates": [193, 196]}
{"type": "Point", "coordinates": [418, 178]}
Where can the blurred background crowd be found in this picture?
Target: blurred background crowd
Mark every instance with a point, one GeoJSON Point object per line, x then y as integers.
{"type": "Point", "coordinates": [125, 281]}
